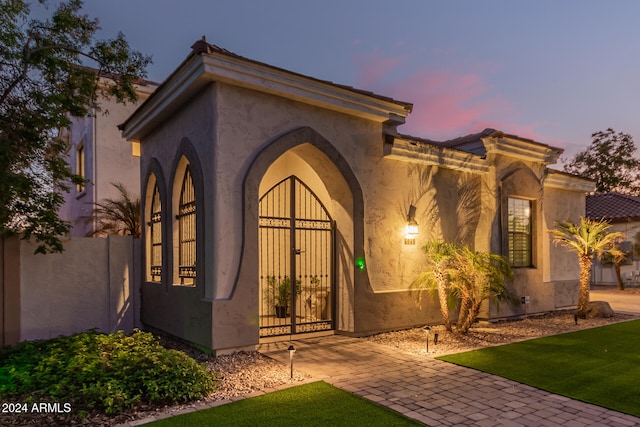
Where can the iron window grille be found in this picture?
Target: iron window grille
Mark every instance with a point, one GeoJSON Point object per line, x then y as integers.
{"type": "Point", "coordinates": [187, 231]}
{"type": "Point", "coordinates": [156, 236]}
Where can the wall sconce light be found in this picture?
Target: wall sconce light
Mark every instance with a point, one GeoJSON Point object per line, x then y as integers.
{"type": "Point", "coordinates": [411, 229]}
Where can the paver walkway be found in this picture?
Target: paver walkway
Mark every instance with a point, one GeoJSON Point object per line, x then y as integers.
{"type": "Point", "coordinates": [434, 392]}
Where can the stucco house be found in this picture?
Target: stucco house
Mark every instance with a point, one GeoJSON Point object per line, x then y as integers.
{"type": "Point", "coordinates": [264, 188]}
{"type": "Point", "coordinates": [98, 153]}
{"type": "Point", "coordinates": [622, 211]}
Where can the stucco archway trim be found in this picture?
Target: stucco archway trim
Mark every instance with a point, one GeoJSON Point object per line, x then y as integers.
{"type": "Point", "coordinates": [187, 151]}
{"type": "Point", "coordinates": [274, 148]}
{"type": "Point", "coordinates": [154, 172]}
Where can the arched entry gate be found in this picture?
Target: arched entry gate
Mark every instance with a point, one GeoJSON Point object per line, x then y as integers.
{"type": "Point", "coordinates": [296, 242]}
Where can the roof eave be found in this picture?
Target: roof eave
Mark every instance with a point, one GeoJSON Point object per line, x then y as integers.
{"type": "Point", "coordinates": [414, 151]}
{"type": "Point", "coordinates": [522, 149]}
{"type": "Point", "coordinates": [565, 181]}
{"type": "Point", "coordinates": [205, 68]}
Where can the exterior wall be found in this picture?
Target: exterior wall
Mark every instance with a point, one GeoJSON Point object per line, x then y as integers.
{"type": "Point", "coordinates": [180, 310]}
{"type": "Point", "coordinates": [108, 159]}
{"type": "Point", "coordinates": [78, 202]}
{"type": "Point", "coordinates": [517, 179]}
{"type": "Point", "coordinates": [630, 270]}
{"type": "Point", "coordinates": [247, 141]}
{"type": "Point", "coordinates": [91, 285]}
{"type": "Point", "coordinates": [378, 298]}
{"type": "Point", "coordinates": [561, 265]}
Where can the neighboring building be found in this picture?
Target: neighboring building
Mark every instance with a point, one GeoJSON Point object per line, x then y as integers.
{"type": "Point", "coordinates": [100, 154]}
{"type": "Point", "coordinates": [257, 181]}
{"type": "Point", "coordinates": [623, 213]}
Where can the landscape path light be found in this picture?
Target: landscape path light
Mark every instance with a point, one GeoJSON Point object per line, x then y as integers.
{"type": "Point", "coordinates": [427, 330]}
{"type": "Point", "coordinates": [292, 350]}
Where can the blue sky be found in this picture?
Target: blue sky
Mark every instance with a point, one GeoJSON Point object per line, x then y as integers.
{"type": "Point", "coordinates": [554, 71]}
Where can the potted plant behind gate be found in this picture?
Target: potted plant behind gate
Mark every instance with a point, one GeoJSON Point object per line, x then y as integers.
{"type": "Point", "coordinates": [278, 293]}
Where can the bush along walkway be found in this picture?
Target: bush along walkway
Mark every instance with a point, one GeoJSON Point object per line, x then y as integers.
{"type": "Point", "coordinates": [54, 381]}
{"type": "Point", "coordinates": [437, 393]}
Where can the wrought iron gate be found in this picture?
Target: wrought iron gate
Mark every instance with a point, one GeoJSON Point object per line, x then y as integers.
{"type": "Point", "coordinates": [296, 261]}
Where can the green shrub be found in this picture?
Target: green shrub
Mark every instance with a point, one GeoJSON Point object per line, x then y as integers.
{"type": "Point", "coordinates": [102, 372]}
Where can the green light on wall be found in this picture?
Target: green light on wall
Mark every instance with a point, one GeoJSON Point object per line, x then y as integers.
{"type": "Point", "coordinates": [360, 263]}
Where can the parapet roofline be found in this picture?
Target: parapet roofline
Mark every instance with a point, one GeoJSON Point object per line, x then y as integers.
{"type": "Point", "coordinates": [209, 63]}
{"type": "Point", "coordinates": [489, 141]}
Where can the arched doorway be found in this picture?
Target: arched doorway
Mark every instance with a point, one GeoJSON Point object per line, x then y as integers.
{"type": "Point", "coordinates": [296, 261]}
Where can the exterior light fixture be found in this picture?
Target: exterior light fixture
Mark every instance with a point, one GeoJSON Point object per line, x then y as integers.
{"type": "Point", "coordinates": [411, 229]}
{"type": "Point", "coordinates": [427, 330]}
{"type": "Point", "coordinates": [292, 350]}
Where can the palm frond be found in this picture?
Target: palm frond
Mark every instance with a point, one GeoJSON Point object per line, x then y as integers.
{"type": "Point", "coordinates": [116, 216]}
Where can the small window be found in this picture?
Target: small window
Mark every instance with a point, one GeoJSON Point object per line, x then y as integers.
{"type": "Point", "coordinates": [519, 231]}
{"type": "Point", "coordinates": [156, 236]}
{"type": "Point", "coordinates": [187, 231]}
{"type": "Point", "coordinates": [80, 161]}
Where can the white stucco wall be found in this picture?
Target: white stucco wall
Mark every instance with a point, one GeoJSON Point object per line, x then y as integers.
{"type": "Point", "coordinates": [93, 284]}
{"type": "Point", "coordinates": [108, 159]}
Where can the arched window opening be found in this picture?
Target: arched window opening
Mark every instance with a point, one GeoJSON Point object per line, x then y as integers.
{"type": "Point", "coordinates": [156, 236]}
{"type": "Point", "coordinates": [187, 231]}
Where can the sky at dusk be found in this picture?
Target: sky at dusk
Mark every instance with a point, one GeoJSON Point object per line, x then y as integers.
{"type": "Point", "coordinates": [554, 71]}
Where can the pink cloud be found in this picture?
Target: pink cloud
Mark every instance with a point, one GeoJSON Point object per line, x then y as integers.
{"type": "Point", "coordinates": [372, 70]}
{"type": "Point", "coordinates": [447, 103]}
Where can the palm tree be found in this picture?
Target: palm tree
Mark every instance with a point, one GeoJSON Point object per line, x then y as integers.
{"type": "Point", "coordinates": [440, 267]}
{"type": "Point", "coordinates": [116, 216]}
{"type": "Point", "coordinates": [586, 238]}
{"type": "Point", "coordinates": [481, 276]}
{"type": "Point", "coordinates": [616, 257]}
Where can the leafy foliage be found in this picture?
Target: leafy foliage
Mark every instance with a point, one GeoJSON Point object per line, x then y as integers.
{"type": "Point", "coordinates": [278, 290]}
{"type": "Point", "coordinates": [456, 273]}
{"type": "Point", "coordinates": [95, 371]}
{"type": "Point", "coordinates": [116, 216]}
{"type": "Point", "coordinates": [587, 238]}
{"type": "Point", "coordinates": [610, 160]}
{"type": "Point", "coordinates": [43, 82]}
{"type": "Point", "coordinates": [441, 269]}
{"type": "Point", "coordinates": [616, 256]}
{"type": "Point", "coordinates": [482, 276]}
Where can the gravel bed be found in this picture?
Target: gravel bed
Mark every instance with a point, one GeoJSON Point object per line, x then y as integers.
{"type": "Point", "coordinates": [485, 334]}
{"type": "Point", "coordinates": [243, 373]}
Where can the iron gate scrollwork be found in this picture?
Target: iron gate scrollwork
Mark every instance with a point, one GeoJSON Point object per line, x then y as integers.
{"type": "Point", "coordinates": [296, 241]}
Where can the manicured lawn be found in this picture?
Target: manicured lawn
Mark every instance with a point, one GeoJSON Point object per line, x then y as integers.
{"type": "Point", "coordinates": [315, 404]}
{"type": "Point", "coordinates": [599, 366]}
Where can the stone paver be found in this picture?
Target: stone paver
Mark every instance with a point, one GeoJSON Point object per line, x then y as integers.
{"type": "Point", "coordinates": [435, 392]}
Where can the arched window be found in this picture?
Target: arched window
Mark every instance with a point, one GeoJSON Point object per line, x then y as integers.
{"type": "Point", "coordinates": [155, 225]}
{"type": "Point", "coordinates": [187, 231]}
